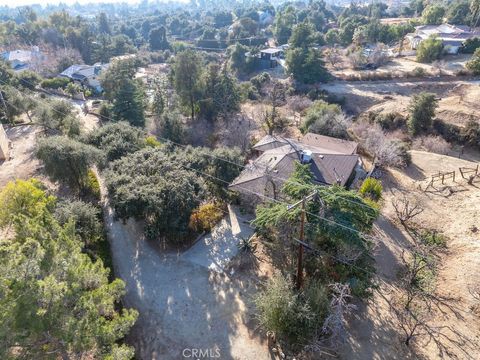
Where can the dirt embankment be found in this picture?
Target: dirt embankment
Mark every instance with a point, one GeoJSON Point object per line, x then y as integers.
{"type": "Point", "coordinates": [454, 210]}
{"type": "Point", "coordinates": [458, 100]}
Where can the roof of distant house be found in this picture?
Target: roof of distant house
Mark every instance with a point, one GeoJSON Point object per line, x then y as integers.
{"type": "Point", "coordinates": [81, 72]}
{"type": "Point", "coordinates": [446, 32]}
{"type": "Point", "coordinates": [18, 55]}
{"type": "Point", "coordinates": [271, 50]}
{"type": "Point", "coordinates": [332, 162]}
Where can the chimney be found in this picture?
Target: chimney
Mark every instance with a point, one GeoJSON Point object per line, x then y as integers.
{"type": "Point", "coordinates": [306, 156]}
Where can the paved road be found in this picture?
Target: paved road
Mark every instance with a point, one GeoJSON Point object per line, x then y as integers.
{"type": "Point", "coordinates": [182, 304]}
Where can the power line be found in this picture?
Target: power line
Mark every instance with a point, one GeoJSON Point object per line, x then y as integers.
{"type": "Point", "coordinates": [317, 251]}
{"type": "Point", "coordinates": [213, 156]}
{"type": "Point", "coordinates": [362, 234]}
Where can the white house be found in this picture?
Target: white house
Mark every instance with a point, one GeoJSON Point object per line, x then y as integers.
{"type": "Point", "coordinates": [22, 59]}
{"type": "Point", "coordinates": [86, 75]}
{"type": "Point", "coordinates": [452, 36]}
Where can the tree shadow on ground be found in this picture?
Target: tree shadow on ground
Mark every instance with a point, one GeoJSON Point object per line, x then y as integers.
{"type": "Point", "coordinates": [182, 305]}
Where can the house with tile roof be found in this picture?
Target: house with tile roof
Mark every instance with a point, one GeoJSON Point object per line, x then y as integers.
{"type": "Point", "coordinates": [332, 162]}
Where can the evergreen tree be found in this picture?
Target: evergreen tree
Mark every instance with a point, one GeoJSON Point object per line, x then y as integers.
{"type": "Point", "coordinates": [157, 39]}
{"type": "Point", "coordinates": [55, 301]}
{"type": "Point", "coordinates": [129, 104]}
{"type": "Point", "coordinates": [103, 25]}
{"type": "Point", "coordinates": [186, 79]}
{"type": "Point", "coordinates": [422, 111]}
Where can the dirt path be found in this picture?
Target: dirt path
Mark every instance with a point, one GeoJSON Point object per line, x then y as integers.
{"type": "Point", "coordinates": [22, 163]}
{"type": "Point", "coordinates": [182, 305]}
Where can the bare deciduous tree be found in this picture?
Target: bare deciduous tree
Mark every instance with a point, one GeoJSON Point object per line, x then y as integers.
{"type": "Point", "coordinates": [406, 209]}
{"type": "Point", "coordinates": [334, 324]}
{"type": "Point", "coordinates": [298, 104]}
{"type": "Point", "coordinates": [333, 57]}
{"type": "Point", "coordinates": [270, 119]}
{"type": "Point", "coordinates": [385, 150]}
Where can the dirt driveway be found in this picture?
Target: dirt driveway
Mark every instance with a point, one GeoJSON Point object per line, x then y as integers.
{"type": "Point", "coordinates": [182, 304]}
{"type": "Point", "coordinates": [22, 163]}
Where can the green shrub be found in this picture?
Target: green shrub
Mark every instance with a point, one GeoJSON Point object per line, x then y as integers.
{"type": "Point", "coordinates": [86, 217]}
{"type": "Point", "coordinates": [205, 217]}
{"type": "Point", "coordinates": [433, 238]}
{"type": "Point", "coordinates": [55, 83]}
{"type": "Point", "coordinates": [152, 141]}
{"type": "Point", "coordinates": [92, 186]}
{"type": "Point", "coordinates": [390, 121]}
{"type": "Point", "coordinates": [421, 112]}
{"type": "Point", "coordinates": [372, 188]}
{"type": "Point", "coordinates": [470, 45]}
{"type": "Point", "coordinates": [429, 50]}
{"type": "Point", "coordinates": [248, 91]}
{"type": "Point", "coordinates": [474, 63]}
{"type": "Point", "coordinates": [419, 72]}
{"type": "Point", "coordinates": [105, 111]}
{"type": "Point", "coordinates": [325, 119]}
{"type": "Point", "coordinates": [27, 79]}
{"type": "Point", "coordinates": [471, 133]}
{"type": "Point", "coordinates": [450, 132]}
{"type": "Point", "coordinates": [282, 310]}
{"type": "Point", "coordinates": [261, 79]}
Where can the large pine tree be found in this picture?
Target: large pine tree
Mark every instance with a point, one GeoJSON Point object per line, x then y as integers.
{"type": "Point", "coordinates": [55, 302]}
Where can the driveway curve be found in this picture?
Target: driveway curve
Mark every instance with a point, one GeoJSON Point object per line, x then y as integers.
{"type": "Point", "coordinates": [183, 304]}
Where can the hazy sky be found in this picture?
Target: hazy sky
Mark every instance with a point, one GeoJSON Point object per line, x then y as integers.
{"type": "Point", "coordinates": [69, 2]}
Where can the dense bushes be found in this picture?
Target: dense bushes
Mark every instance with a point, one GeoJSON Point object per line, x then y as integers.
{"type": "Point", "coordinates": [422, 111]}
{"type": "Point", "coordinates": [469, 135]}
{"type": "Point", "coordinates": [55, 83]}
{"type": "Point", "coordinates": [67, 160]}
{"type": "Point", "coordinates": [429, 50]}
{"type": "Point", "coordinates": [117, 139]}
{"type": "Point", "coordinates": [85, 216]}
{"type": "Point", "coordinates": [291, 315]}
{"type": "Point", "coordinates": [470, 45]}
{"type": "Point", "coordinates": [325, 119]}
{"type": "Point", "coordinates": [389, 121]}
{"type": "Point", "coordinates": [474, 64]}
{"type": "Point", "coordinates": [206, 217]}
{"type": "Point", "coordinates": [371, 188]}
{"type": "Point", "coordinates": [164, 186]}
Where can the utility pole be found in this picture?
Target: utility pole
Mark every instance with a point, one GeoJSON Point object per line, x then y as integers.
{"type": "Point", "coordinates": [300, 248]}
{"type": "Point", "coordinates": [299, 279]}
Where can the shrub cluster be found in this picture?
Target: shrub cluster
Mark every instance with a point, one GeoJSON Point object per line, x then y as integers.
{"type": "Point", "coordinates": [205, 217]}
{"type": "Point", "coordinates": [55, 83]}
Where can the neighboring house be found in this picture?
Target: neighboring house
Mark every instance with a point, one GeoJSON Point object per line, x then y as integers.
{"type": "Point", "coordinates": [86, 75]}
{"type": "Point", "coordinates": [22, 59]}
{"type": "Point", "coordinates": [268, 58]}
{"type": "Point", "coordinates": [4, 149]}
{"type": "Point", "coordinates": [452, 36]}
{"type": "Point", "coordinates": [332, 161]}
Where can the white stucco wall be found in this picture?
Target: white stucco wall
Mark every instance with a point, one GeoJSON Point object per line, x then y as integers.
{"type": "Point", "coordinates": [4, 154]}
